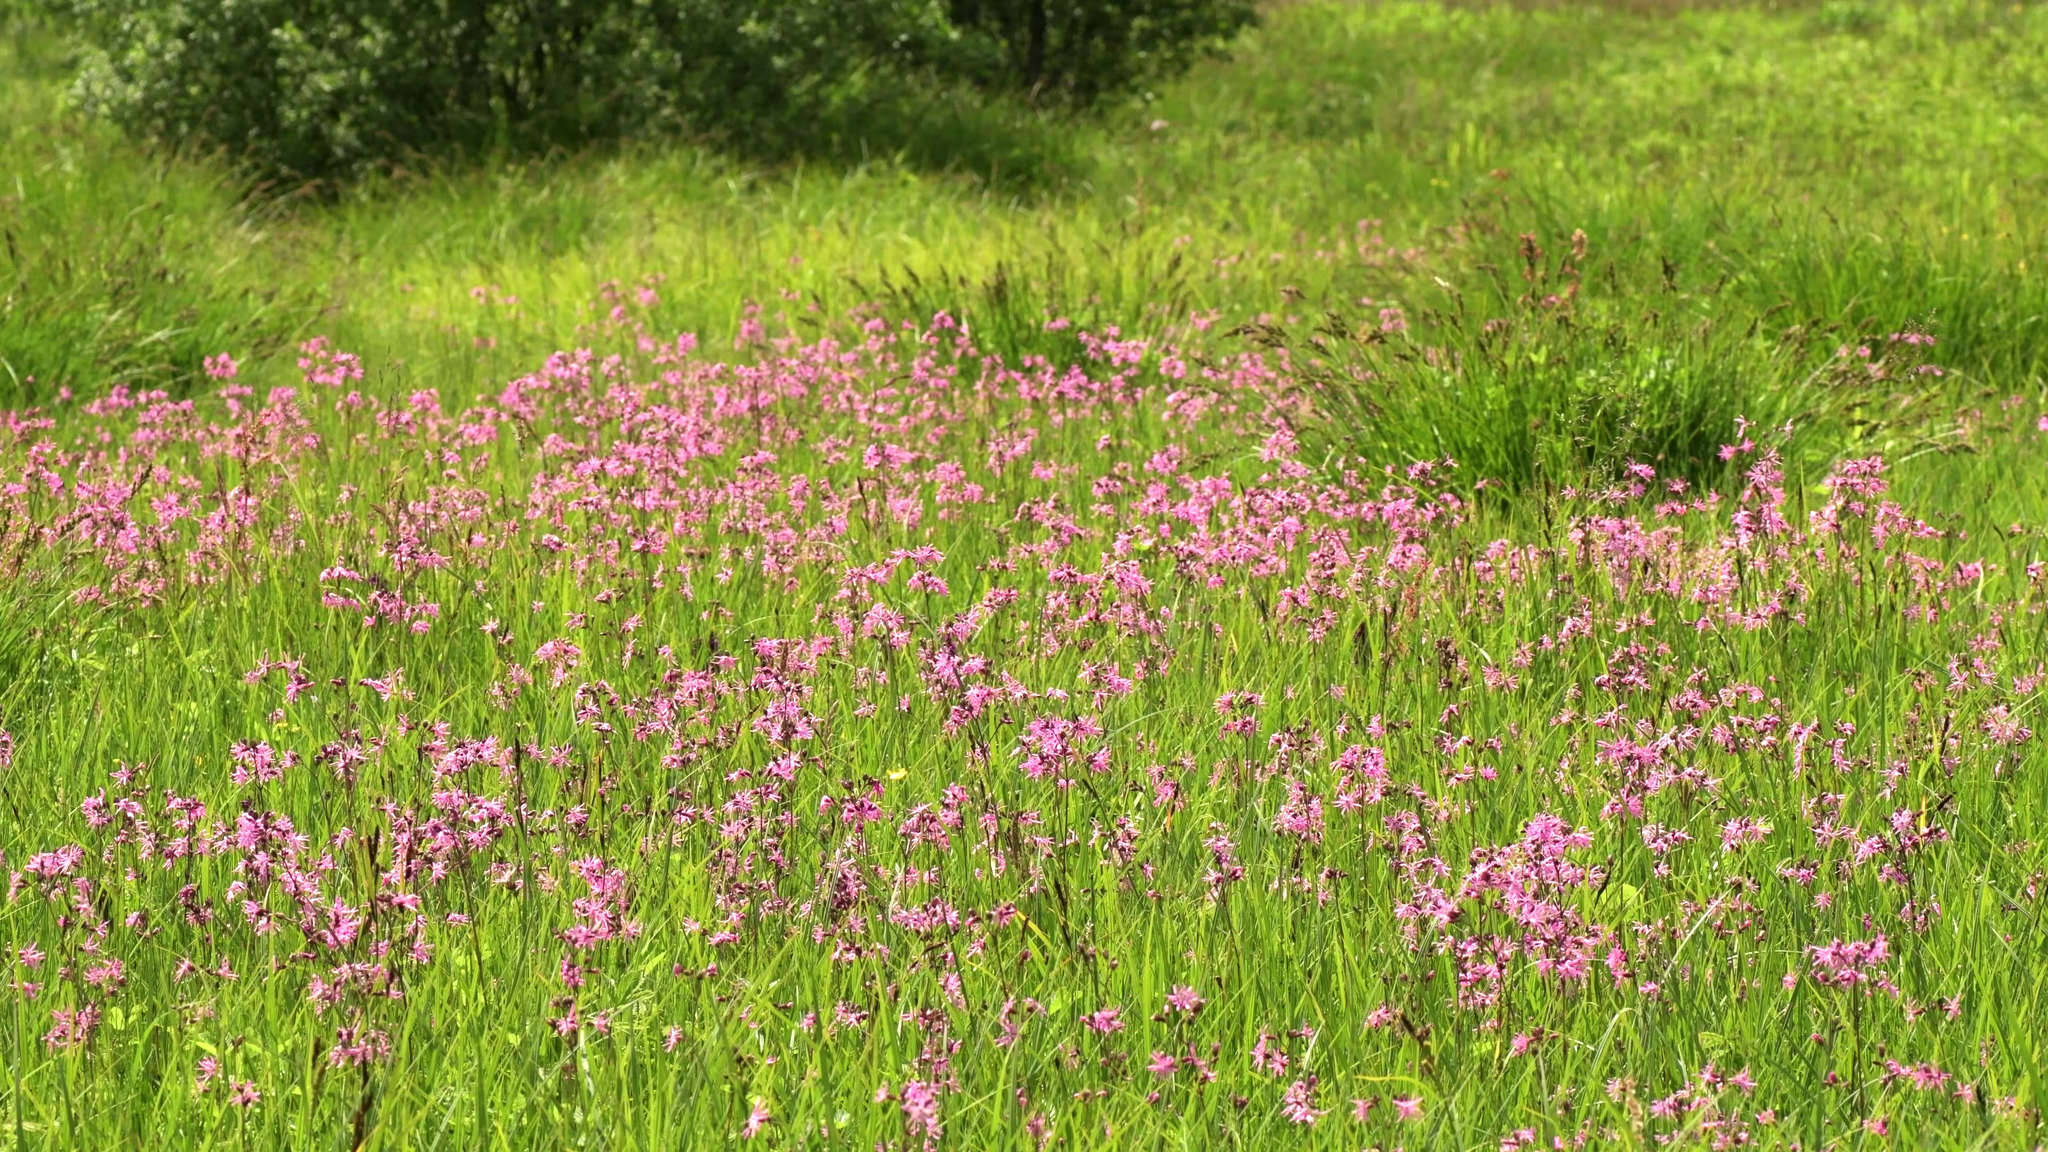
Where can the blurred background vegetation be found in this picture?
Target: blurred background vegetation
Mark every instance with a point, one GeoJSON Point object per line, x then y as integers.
{"type": "Point", "coordinates": [299, 89]}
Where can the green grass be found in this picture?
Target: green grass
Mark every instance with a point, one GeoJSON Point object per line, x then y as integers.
{"type": "Point", "coordinates": [1876, 164]}
{"type": "Point", "coordinates": [1757, 189]}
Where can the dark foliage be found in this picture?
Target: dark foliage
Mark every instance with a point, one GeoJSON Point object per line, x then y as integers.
{"type": "Point", "coordinates": [322, 88]}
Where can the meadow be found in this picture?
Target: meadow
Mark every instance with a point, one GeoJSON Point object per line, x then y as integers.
{"type": "Point", "coordinates": [1465, 577]}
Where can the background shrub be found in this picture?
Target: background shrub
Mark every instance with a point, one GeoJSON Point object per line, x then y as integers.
{"type": "Point", "coordinates": [319, 88]}
{"type": "Point", "coordinates": [1081, 51]}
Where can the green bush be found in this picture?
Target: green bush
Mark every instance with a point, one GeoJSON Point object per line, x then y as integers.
{"type": "Point", "coordinates": [318, 88]}
{"type": "Point", "coordinates": [1080, 51]}
{"type": "Point", "coordinates": [323, 87]}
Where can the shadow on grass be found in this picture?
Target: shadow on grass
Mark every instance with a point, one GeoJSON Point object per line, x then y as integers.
{"type": "Point", "coordinates": [997, 145]}
{"type": "Point", "coordinates": [1000, 145]}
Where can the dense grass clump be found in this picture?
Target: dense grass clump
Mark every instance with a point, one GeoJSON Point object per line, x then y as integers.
{"type": "Point", "coordinates": [1468, 578]}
